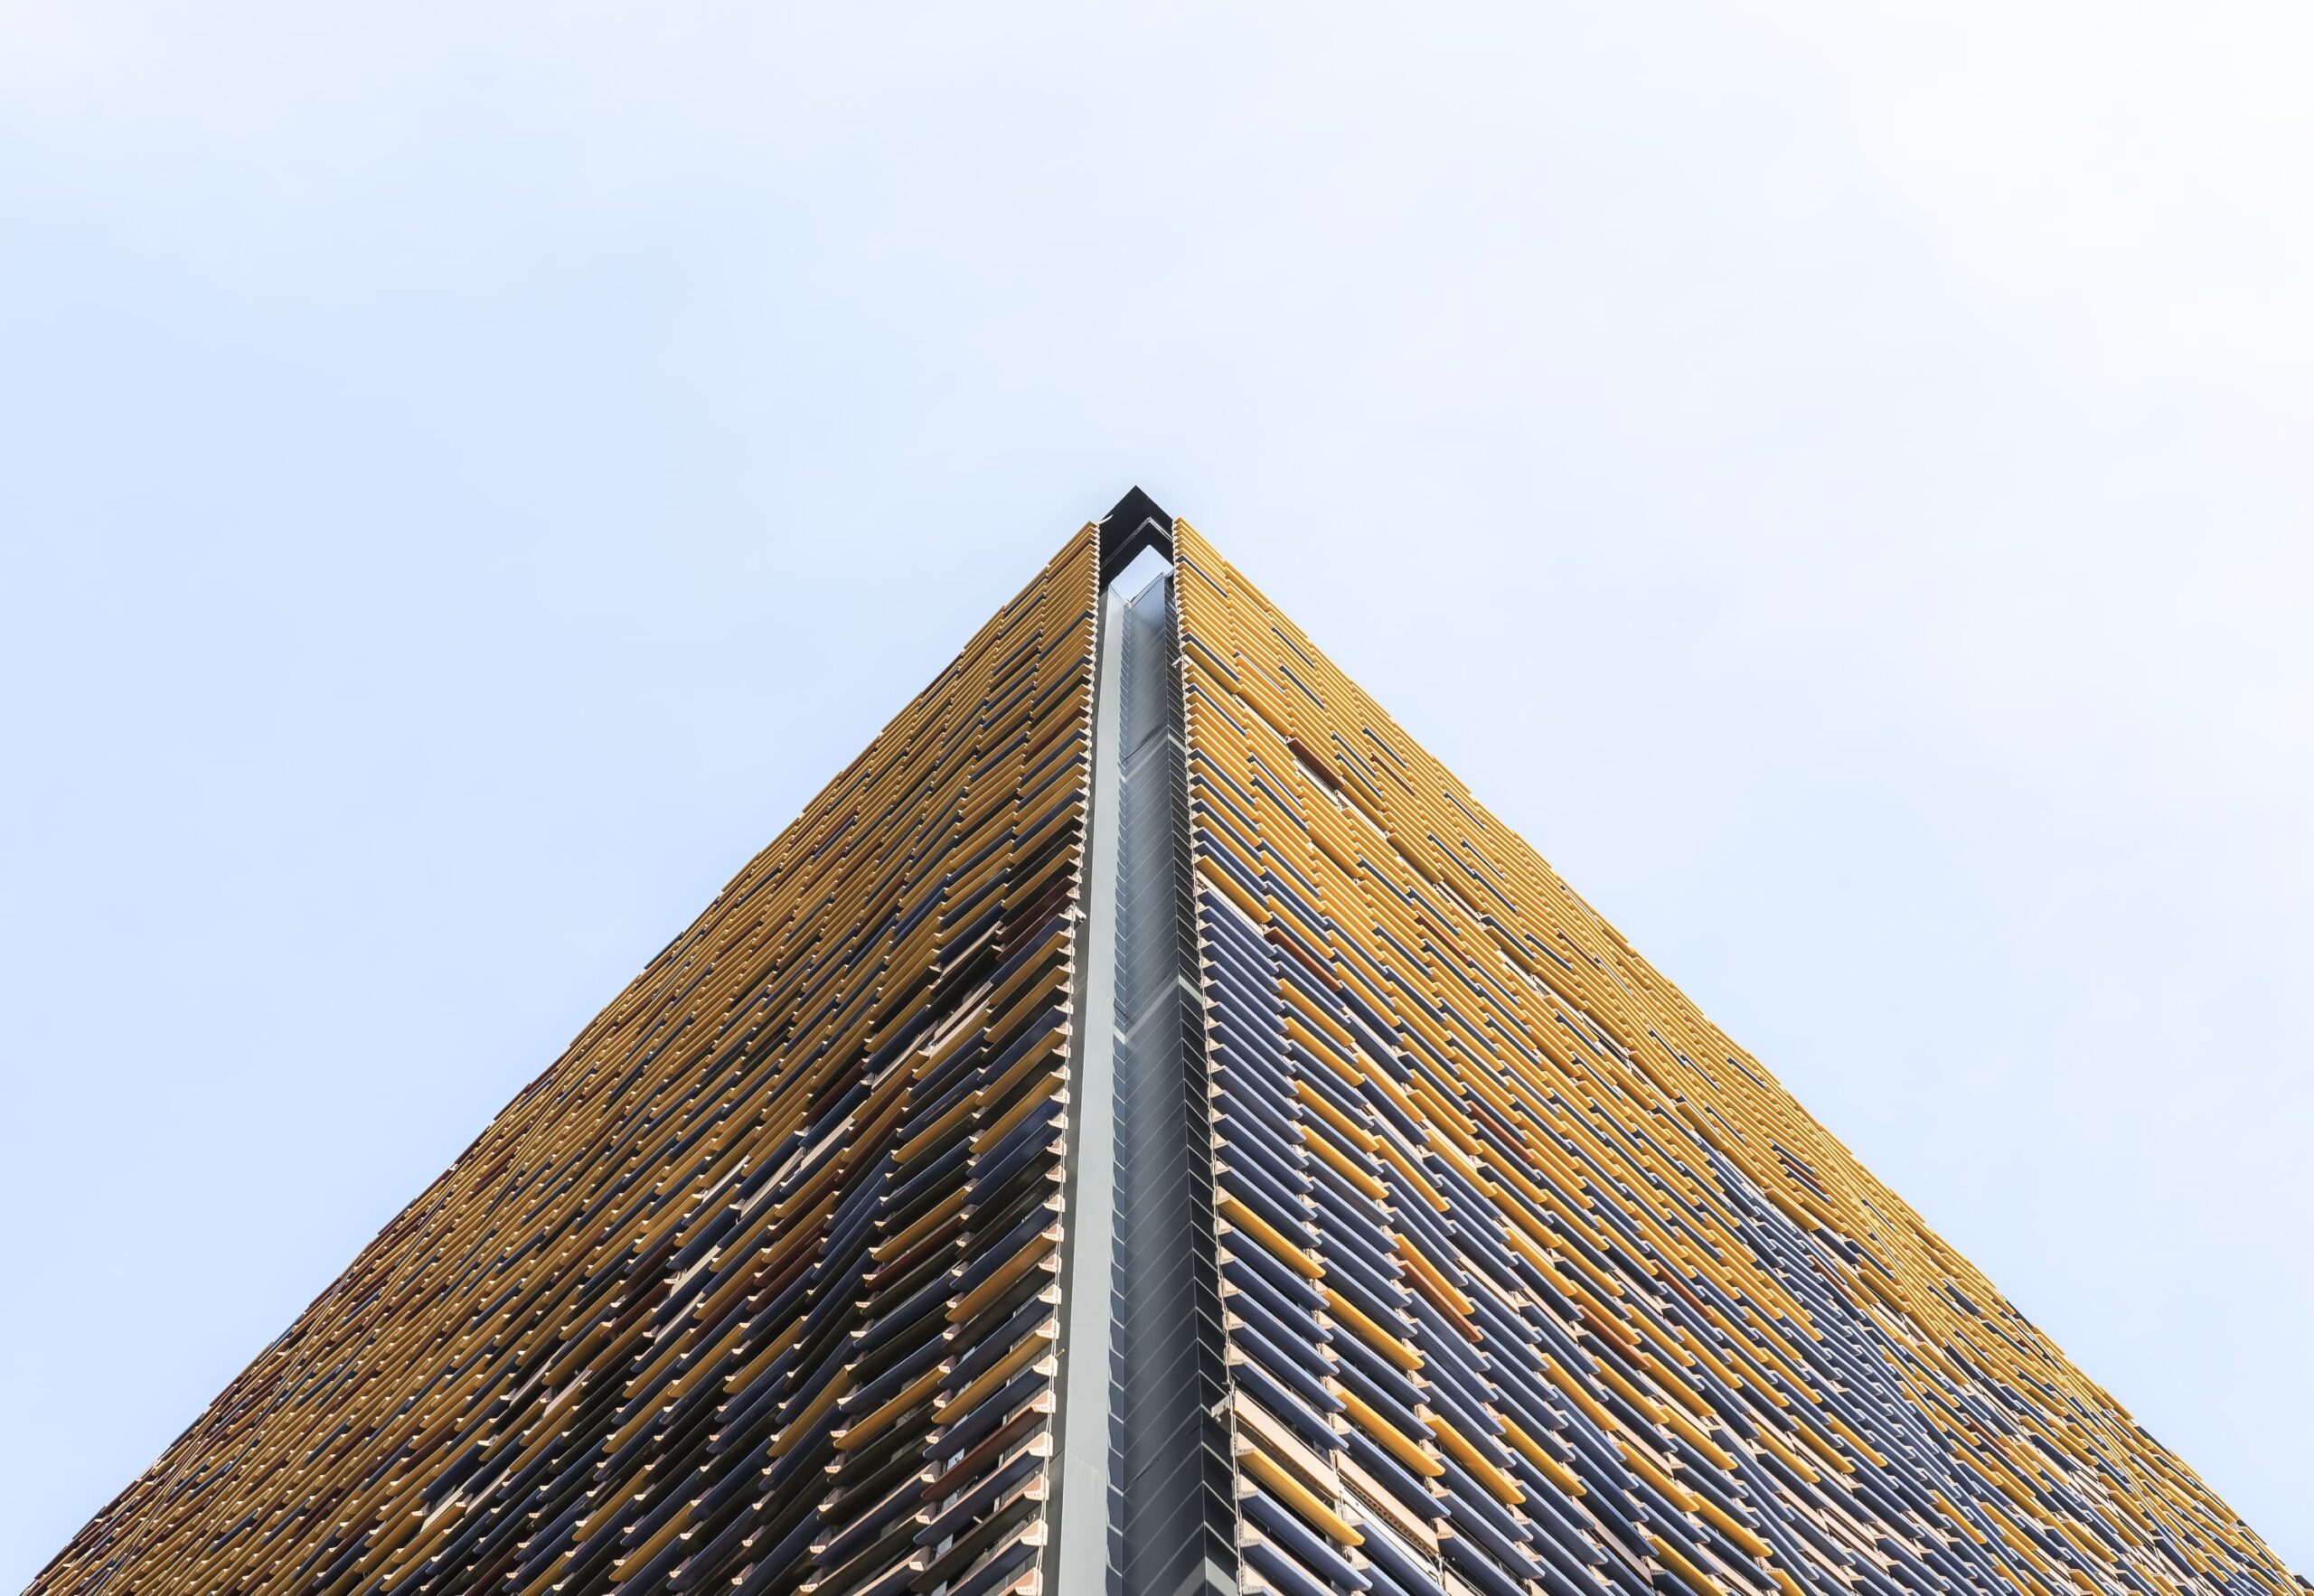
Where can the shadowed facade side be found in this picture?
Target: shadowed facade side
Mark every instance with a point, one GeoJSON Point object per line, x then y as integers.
{"type": "Point", "coordinates": [1536, 1280]}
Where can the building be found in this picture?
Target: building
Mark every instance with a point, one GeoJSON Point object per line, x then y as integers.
{"type": "Point", "coordinates": [1146, 1128]}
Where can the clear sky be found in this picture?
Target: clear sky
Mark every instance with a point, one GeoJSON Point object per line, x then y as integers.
{"type": "Point", "coordinates": [1835, 478]}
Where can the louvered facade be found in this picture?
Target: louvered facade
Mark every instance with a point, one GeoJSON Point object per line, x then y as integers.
{"type": "Point", "coordinates": [1146, 1129]}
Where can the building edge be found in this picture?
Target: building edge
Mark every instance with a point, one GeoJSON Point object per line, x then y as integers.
{"type": "Point", "coordinates": [1144, 1359]}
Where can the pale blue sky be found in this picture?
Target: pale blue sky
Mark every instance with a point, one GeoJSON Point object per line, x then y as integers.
{"type": "Point", "coordinates": [469, 472]}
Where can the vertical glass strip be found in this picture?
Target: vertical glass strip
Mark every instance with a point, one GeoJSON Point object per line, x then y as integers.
{"type": "Point", "coordinates": [1177, 1517]}
{"type": "Point", "coordinates": [1145, 1367]}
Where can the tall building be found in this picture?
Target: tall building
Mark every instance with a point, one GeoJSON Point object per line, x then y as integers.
{"type": "Point", "coordinates": [1146, 1128]}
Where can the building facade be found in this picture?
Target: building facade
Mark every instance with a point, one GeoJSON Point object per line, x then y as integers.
{"type": "Point", "coordinates": [1146, 1129]}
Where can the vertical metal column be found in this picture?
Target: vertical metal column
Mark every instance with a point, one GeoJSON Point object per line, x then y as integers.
{"type": "Point", "coordinates": [1081, 1507]}
{"type": "Point", "coordinates": [1142, 1282]}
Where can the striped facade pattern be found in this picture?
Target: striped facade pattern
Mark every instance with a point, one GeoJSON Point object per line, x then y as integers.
{"type": "Point", "coordinates": [1534, 1280]}
{"type": "Point", "coordinates": [755, 1289]}
{"type": "Point", "coordinates": [1454, 1253]}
